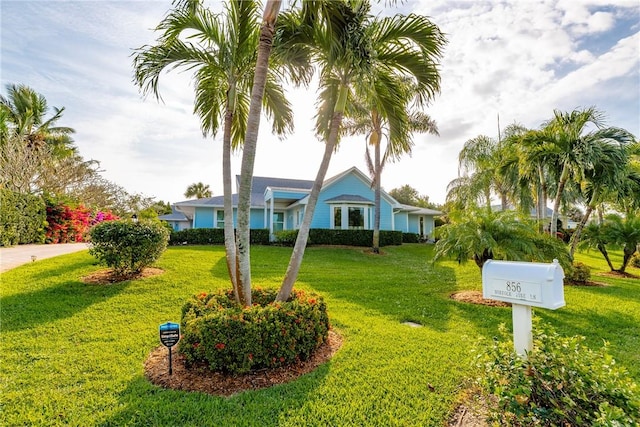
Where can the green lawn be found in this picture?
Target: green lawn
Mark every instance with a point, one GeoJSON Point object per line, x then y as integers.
{"type": "Point", "coordinates": [72, 353]}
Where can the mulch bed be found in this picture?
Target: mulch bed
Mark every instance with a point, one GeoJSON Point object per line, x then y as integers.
{"type": "Point", "coordinates": [108, 277]}
{"type": "Point", "coordinates": [475, 297]}
{"type": "Point", "coordinates": [618, 275]}
{"type": "Point", "coordinates": [201, 379]}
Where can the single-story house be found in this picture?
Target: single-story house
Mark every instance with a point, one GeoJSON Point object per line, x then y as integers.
{"type": "Point", "coordinates": [176, 219]}
{"type": "Point", "coordinates": [346, 201]}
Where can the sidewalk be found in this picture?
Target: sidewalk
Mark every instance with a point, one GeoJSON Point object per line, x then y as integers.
{"type": "Point", "coordinates": [22, 254]}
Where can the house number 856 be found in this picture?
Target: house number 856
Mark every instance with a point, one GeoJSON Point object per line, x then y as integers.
{"type": "Point", "coordinates": [513, 286]}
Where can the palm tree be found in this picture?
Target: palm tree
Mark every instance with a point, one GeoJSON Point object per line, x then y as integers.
{"type": "Point", "coordinates": [398, 129]}
{"type": "Point", "coordinates": [567, 140]}
{"type": "Point", "coordinates": [348, 46]}
{"type": "Point", "coordinates": [23, 112]}
{"type": "Point", "coordinates": [615, 232]}
{"type": "Point", "coordinates": [198, 190]}
{"type": "Point", "coordinates": [222, 49]}
{"type": "Point", "coordinates": [607, 174]}
{"type": "Point", "coordinates": [482, 235]}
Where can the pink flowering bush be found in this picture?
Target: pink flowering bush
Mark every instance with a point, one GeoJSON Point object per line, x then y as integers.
{"type": "Point", "coordinates": [226, 337]}
{"type": "Point", "coordinates": [67, 224]}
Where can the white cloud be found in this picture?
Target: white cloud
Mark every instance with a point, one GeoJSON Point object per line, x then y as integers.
{"type": "Point", "coordinates": [519, 59]}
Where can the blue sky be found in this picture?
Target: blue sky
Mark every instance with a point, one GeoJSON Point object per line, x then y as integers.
{"type": "Point", "coordinates": [519, 59]}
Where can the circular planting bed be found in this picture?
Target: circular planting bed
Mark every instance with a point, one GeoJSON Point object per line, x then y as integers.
{"type": "Point", "coordinates": [234, 348]}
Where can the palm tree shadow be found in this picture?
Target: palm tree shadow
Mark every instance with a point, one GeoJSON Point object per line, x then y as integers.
{"type": "Point", "coordinates": [142, 401]}
{"type": "Point", "coordinates": [27, 310]}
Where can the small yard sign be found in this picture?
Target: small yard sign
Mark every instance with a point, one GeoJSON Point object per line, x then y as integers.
{"type": "Point", "coordinates": [169, 336]}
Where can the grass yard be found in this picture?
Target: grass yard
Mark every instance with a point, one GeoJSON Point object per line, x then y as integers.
{"type": "Point", "coordinates": [72, 353]}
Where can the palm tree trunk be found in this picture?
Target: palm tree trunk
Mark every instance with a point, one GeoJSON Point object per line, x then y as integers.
{"type": "Point", "coordinates": [377, 208]}
{"type": "Point", "coordinates": [627, 253]}
{"type": "Point", "coordinates": [229, 235]}
{"type": "Point", "coordinates": [267, 31]}
{"type": "Point", "coordinates": [295, 261]}
{"type": "Point", "coordinates": [575, 238]}
{"type": "Point", "coordinates": [556, 203]}
{"type": "Point", "coordinates": [603, 250]}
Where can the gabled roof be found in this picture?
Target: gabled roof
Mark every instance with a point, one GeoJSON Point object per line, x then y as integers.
{"type": "Point", "coordinates": [349, 198]}
{"type": "Point", "coordinates": [354, 170]}
{"type": "Point", "coordinates": [175, 215]}
{"type": "Point", "coordinates": [417, 210]}
{"type": "Point", "coordinates": [261, 183]}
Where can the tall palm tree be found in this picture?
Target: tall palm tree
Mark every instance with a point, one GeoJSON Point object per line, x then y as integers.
{"type": "Point", "coordinates": [349, 45]}
{"type": "Point", "coordinates": [23, 111]}
{"type": "Point", "coordinates": [377, 120]}
{"type": "Point", "coordinates": [566, 139]}
{"type": "Point", "coordinates": [486, 167]}
{"type": "Point", "coordinates": [222, 49]}
{"type": "Point", "coordinates": [198, 190]}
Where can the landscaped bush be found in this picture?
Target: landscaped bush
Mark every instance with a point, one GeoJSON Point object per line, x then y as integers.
{"type": "Point", "coordinates": [23, 218]}
{"type": "Point", "coordinates": [579, 273]}
{"type": "Point", "coordinates": [410, 238]}
{"type": "Point", "coordinates": [67, 224]}
{"type": "Point", "coordinates": [286, 237]}
{"type": "Point", "coordinates": [561, 383]}
{"type": "Point", "coordinates": [229, 338]}
{"type": "Point", "coordinates": [127, 246]}
{"type": "Point", "coordinates": [213, 236]}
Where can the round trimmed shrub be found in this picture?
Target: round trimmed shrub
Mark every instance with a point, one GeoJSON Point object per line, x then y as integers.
{"type": "Point", "coordinates": [579, 273]}
{"type": "Point", "coordinates": [126, 246]}
{"type": "Point", "coordinates": [228, 338]}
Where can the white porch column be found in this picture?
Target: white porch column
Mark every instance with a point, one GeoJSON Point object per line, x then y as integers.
{"type": "Point", "coordinates": [271, 206]}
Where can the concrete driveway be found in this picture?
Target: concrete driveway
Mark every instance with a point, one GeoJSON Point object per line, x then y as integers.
{"type": "Point", "coordinates": [22, 254]}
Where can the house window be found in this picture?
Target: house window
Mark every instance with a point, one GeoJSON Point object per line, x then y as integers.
{"type": "Point", "coordinates": [278, 221]}
{"type": "Point", "coordinates": [356, 218]}
{"type": "Point", "coordinates": [337, 217]}
{"type": "Point", "coordinates": [220, 219]}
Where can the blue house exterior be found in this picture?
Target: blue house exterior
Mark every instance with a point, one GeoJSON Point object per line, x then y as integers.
{"type": "Point", "coordinates": [346, 201]}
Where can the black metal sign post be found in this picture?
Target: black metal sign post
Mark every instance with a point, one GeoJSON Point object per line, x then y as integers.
{"type": "Point", "coordinates": [169, 336]}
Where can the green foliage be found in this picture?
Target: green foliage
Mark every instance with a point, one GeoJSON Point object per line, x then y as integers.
{"type": "Point", "coordinates": [324, 236]}
{"type": "Point", "coordinates": [213, 236]}
{"type": "Point", "coordinates": [410, 237]}
{"type": "Point", "coordinates": [635, 260]}
{"type": "Point", "coordinates": [96, 339]}
{"type": "Point", "coordinates": [615, 233]}
{"type": "Point", "coordinates": [126, 246]}
{"type": "Point", "coordinates": [578, 272]}
{"type": "Point", "coordinates": [233, 339]}
{"type": "Point", "coordinates": [286, 237]}
{"type": "Point", "coordinates": [481, 235]}
{"type": "Point", "coordinates": [23, 218]}
{"type": "Point", "coordinates": [562, 382]}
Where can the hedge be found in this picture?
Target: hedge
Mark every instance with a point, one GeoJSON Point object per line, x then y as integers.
{"type": "Point", "coordinates": [23, 218]}
{"type": "Point", "coordinates": [213, 236]}
{"type": "Point", "coordinates": [323, 236]}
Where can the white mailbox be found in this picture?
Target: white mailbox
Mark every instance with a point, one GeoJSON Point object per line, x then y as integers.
{"type": "Point", "coordinates": [524, 285]}
{"type": "Point", "coordinates": [527, 283]}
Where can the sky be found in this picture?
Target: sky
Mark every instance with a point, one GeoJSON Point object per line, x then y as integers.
{"type": "Point", "coordinates": [505, 62]}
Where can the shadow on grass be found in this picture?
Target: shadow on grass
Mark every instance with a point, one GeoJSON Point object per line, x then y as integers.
{"type": "Point", "coordinates": [47, 304]}
{"type": "Point", "coordinates": [143, 403]}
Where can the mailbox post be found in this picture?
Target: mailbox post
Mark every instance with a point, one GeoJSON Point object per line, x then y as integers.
{"type": "Point", "coordinates": [524, 285]}
{"type": "Point", "coordinates": [169, 336]}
